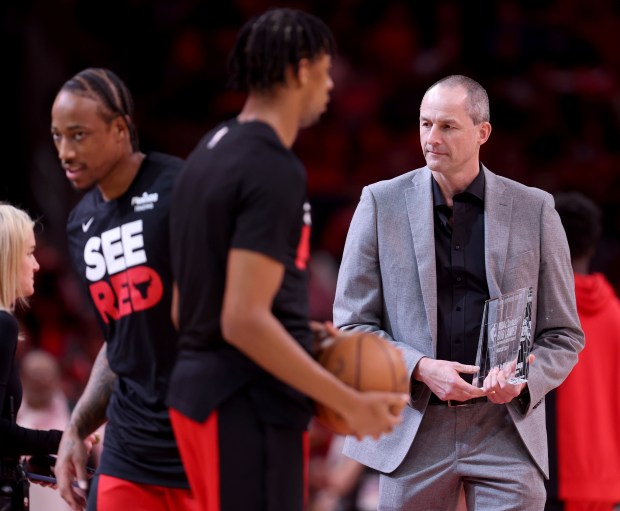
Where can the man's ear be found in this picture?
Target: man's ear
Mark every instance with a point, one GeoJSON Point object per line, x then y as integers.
{"type": "Point", "coordinates": [484, 132]}
{"type": "Point", "coordinates": [304, 71]}
{"type": "Point", "coordinates": [121, 126]}
{"type": "Point", "coordinates": [301, 77]}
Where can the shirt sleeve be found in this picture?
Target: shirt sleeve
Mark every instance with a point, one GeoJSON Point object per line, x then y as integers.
{"type": "Point", "coordinates": [8, 344]}
{"type": "Point", "coordinates": [270, 209]}
{"type": "Point", "coordinates": [15, 440]}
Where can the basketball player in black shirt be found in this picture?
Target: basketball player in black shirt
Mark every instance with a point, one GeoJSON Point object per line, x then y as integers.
{"type": "Point", "coordinates": [240, 228]}
{"type": "Point", "coordinates": [118, 240]}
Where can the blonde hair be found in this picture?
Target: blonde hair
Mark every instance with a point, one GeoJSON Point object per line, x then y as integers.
{"type": "Point", "coordinates": [14, 228]}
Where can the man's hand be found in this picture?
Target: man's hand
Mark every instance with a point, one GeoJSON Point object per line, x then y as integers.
{"type": "Point", "coordinates": [443, 377]}
{"type": "Point", "coordinates": [497, 387]}
{"type": "Point", "coordinates": [321, 332]}
{"type": "Point", "coordinates": [71, 465]}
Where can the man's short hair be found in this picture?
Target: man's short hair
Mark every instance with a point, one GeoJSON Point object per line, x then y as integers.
{"type": "Point", "coordinates": [477, 105]}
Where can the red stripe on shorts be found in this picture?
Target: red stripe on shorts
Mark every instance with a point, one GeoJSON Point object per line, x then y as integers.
{"type": "Point", "coordinates": [305, 438]}
{"type": "Point", "coordinates": [199, 447]}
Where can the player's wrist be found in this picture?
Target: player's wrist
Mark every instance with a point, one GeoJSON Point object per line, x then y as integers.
{"type": "Point", "coordinates": [420, 370]}
{"type": "Point", "coordinates": [76, 431]}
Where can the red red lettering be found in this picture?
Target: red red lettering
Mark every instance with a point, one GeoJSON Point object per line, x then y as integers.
{"type": "Point", "coordinates": [146, 287]}
{"type": "Point", "coordinates": [120, 284]}
{"type": "Point", "coordinates": [135, 289]}
{"type": "Point", "coordinates": [103, 298]}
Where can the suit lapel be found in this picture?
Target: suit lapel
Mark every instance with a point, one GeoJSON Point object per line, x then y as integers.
{"type": "Point", "coordinates": [421, 221]}
{"type": "Point", "coordinates": [497, 213]}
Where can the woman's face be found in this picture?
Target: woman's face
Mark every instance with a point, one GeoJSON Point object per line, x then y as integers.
{"type": "Point", "coordinates": [28, 267]}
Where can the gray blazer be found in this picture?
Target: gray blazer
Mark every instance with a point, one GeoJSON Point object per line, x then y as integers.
{"type": "Point", "coordinates": [387, 284]}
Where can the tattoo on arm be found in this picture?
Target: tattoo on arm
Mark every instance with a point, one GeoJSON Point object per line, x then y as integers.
{"type": "Point", "coordinates": [90, 411]}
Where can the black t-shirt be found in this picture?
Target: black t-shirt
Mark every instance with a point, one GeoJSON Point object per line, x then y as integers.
{"type": "Point", "coordinates": [15, 440]}
{"type": "Point", "coordinates": [240, 188]}
{"type": "Point", "coordinates": [121, 250]}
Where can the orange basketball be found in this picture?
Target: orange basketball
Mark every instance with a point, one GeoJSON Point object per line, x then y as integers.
{"type": "Point", "coordinates": [366, 362]}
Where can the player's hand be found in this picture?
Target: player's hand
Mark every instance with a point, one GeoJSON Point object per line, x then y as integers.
{"type": "Point", "coordinates": [496, 386]}
{"type": "Point", "coordinates": [70, 466]}
{"type": "Point", "coordinates": [375, 413]}
{"type": "Point", "coordinates": [322, 333]}
{"type": "Point", "coordinates": [90, 441]}
{"type": "Point", "coordinates": [443, 377]}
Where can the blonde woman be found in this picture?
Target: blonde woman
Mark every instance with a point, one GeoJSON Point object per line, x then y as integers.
{"type": "Point", "coordinates": [17, 268]}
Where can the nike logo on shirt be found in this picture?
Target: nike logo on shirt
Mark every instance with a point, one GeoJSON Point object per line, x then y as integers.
{"type": "Point", "coordinates": [86, 225]}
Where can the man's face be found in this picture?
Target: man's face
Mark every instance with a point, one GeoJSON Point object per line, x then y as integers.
{"type": "Point", "coordinates": [88, 146]}
{"type": "Point", "coordinates": [450, 140]}
{"type": "Point", "coordinates": [318, 86]}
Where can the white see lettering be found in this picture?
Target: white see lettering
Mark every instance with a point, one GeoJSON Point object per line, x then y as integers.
{"type": "Point", "coordinates": [113, 250]}
{"type": "Point", "coordinates": [95, 264]}
{"type": "Point", "coordinates": [117, 249]}
{"type": "Point", "coordinates": [133, 243]}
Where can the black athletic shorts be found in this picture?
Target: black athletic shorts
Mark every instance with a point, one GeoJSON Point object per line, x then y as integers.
{"type": "Point", "coordinates": [236, 462]}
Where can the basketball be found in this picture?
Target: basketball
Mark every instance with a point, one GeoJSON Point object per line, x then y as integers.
{"type": "Point", "coordinates": [365, 362]}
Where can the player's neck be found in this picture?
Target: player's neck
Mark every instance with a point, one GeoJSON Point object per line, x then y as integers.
{"type": "Point", "coordinates": [274, 110]}
{"type": "Point", "coordinates": [120, 177]}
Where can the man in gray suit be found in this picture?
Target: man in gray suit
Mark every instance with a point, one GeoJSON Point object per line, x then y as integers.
{"type": "Point", "coordinates": [424, 252]}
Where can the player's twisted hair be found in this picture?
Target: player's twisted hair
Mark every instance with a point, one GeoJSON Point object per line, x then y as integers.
{"type": "Point", "coordinates": [107, 88]}
{"type": "Point", "coordinates": [268, 43]}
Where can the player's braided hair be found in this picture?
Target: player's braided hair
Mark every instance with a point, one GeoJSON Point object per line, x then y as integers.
{"type": "Point", "coordinates": [106, 87]}
{"type": "Point", "coordinates": [268, 43]}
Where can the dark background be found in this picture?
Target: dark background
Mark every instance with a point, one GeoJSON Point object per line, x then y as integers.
{"type": "Point", "coordinates": [551, 68]}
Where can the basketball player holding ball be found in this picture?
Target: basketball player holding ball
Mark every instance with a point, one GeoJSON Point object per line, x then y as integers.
{"type": "Point", "coordinates": [240, 228]}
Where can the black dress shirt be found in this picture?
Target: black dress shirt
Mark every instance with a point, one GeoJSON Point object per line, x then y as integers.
{"type": "Point", "coordinates": [461, 274]}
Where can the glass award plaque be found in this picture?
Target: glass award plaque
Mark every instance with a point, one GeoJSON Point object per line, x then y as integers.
{"type": "Point", "coordinates": [505, 337]}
